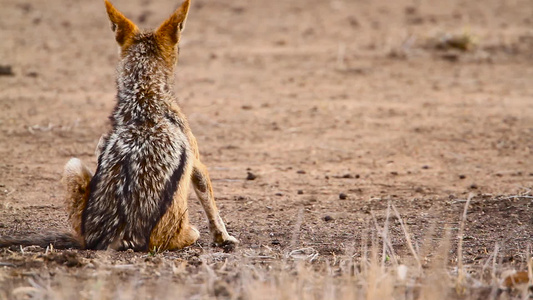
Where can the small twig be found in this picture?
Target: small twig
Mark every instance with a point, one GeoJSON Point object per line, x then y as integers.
{"type": "Point", "coordinates": [386, 240]}
{"type": "Point", "coordinates": [529, 265]}
{"type": "Point", "coordinates": [385, 237]}
{"type": "Point", "coordinates": [459, 201]}
{"type": "Point", "coordinates": [408, 238]}
{"type": "Point", "coordinates": [124, 267]}
{"type": "Point", "coordinates": [518, 197]}
{"type": "Point", "coordinates": [301, 254]}
{"type": "Point", "coordinates": [492, 258]}
{"type": "Point", "coordinates": [297, 226]}
{"type": "Point", "coordinates": [460, 268]}
{"type": "Point", "coordinates": [260, 256]}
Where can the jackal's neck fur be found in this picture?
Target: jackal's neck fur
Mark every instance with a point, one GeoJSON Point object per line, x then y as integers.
{"type": "Point", "coordinates": [144, 80]}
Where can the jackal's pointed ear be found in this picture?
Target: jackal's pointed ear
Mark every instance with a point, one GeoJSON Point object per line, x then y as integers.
{"type": "Point", "coordinates": [170, 30]}
{"type": "Point", "coordinates": [123, 28]}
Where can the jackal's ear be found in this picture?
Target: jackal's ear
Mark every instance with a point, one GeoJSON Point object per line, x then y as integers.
{"type": "Point", "coordinates": [123, 28]}
{"type": "Point", "coordinates": [170, 30]}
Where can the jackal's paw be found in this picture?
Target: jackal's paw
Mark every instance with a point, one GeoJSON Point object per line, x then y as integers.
{"type": "Point", "coordinates": [230, 240]}
{"type": "Point", "coordinates": [227, 242]}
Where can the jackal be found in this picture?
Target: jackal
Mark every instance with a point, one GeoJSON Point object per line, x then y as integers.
{"type": "Point", "coordinates": [137, 198]}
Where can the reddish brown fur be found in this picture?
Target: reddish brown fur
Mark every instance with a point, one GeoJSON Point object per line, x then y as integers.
{"type": "Point", "coordinates": [124, 28]}
{"type": "Point", "coordinates": [169, 33]}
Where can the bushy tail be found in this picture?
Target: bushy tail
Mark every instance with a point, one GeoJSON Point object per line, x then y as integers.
{"type": "Point", "coordinates": [76, 178]}
{"type": "Point", "coordinates": [57, 240]}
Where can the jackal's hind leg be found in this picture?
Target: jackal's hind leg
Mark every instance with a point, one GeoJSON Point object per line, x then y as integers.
{"type": "Point", "coordinates": [76, 178]}
{"type": "Point", "coordinates": [186, 237]}
{"type": "Point", "coordinates": [204, 191]}
{"type": "Point", "coordinates": [173, 232]}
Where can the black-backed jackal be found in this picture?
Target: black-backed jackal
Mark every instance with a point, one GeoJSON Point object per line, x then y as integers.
{"type": "Point", "coordinates": [137, 198]}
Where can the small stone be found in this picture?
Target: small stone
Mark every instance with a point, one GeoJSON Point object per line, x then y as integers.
{"type": "Point", "coordinates": [276, 242]}
{"type": "Point", "coordinates": [451, 57]}
{"type": "Point", "coordinates": [6, 71]}
{"type": "Point", "coordinates": [462, 176]}
{"type": "Point", "coordinates": [300, 172]}
{"type": "Point", "coordinates": [343, 196]}
{"type": "Point", "coordinates": [394, 173]}
{"type": "Point", "coordinates": [473, 186]}
{"type": "Point", "coordinates": [347, 176]}
{"type": "Point", "coordinates": [354, 22]}
{"type": "Point", "coordinates": [279, 194]}
{"type": "Point", "coordinates": [410, 10]}
{"type": "Point", "coordinates": [328, 218]}
{"type": "Point", "coordinates": [300, 192]}
{"type": "Point", "coordinates": [251, 176]}
{"type": "Point", "coordinates": [425, 167]}
{"type": "Point", "coordinates": [238, 9]}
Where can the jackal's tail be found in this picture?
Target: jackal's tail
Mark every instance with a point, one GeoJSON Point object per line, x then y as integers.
{"type": "Point", "coordinates": [76, 178]}
{"type": "Point", "coordinates": [57, 240]}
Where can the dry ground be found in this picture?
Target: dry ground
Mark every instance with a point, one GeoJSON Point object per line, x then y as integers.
{"type": "Point", "coordinates": [314, 98]}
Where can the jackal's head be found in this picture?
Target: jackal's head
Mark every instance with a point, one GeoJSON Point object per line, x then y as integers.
{"type": "Point", "coordinates": [162, 42]}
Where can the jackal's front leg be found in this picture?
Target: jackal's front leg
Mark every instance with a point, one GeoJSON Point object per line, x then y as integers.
{"type": "Point", "coordinates": [204, 191]}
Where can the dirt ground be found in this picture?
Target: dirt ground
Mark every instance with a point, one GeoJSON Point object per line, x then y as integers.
{"type": "Point", "coordinates": [336, 108]}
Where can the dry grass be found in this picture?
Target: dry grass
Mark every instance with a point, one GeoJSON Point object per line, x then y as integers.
{"type": "Point", "coordinates": [370, 270]}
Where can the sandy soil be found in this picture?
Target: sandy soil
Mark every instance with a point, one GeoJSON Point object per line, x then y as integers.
{"type": "Point", "coordinates": [336, 107]}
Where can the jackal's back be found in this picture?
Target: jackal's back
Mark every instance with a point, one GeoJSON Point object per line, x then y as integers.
{"type": "Point", "coordinates": [137, 175]}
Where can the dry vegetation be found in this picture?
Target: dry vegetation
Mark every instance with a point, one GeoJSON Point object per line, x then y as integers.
{"type": "Point", "coordinates": [371, 269]}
